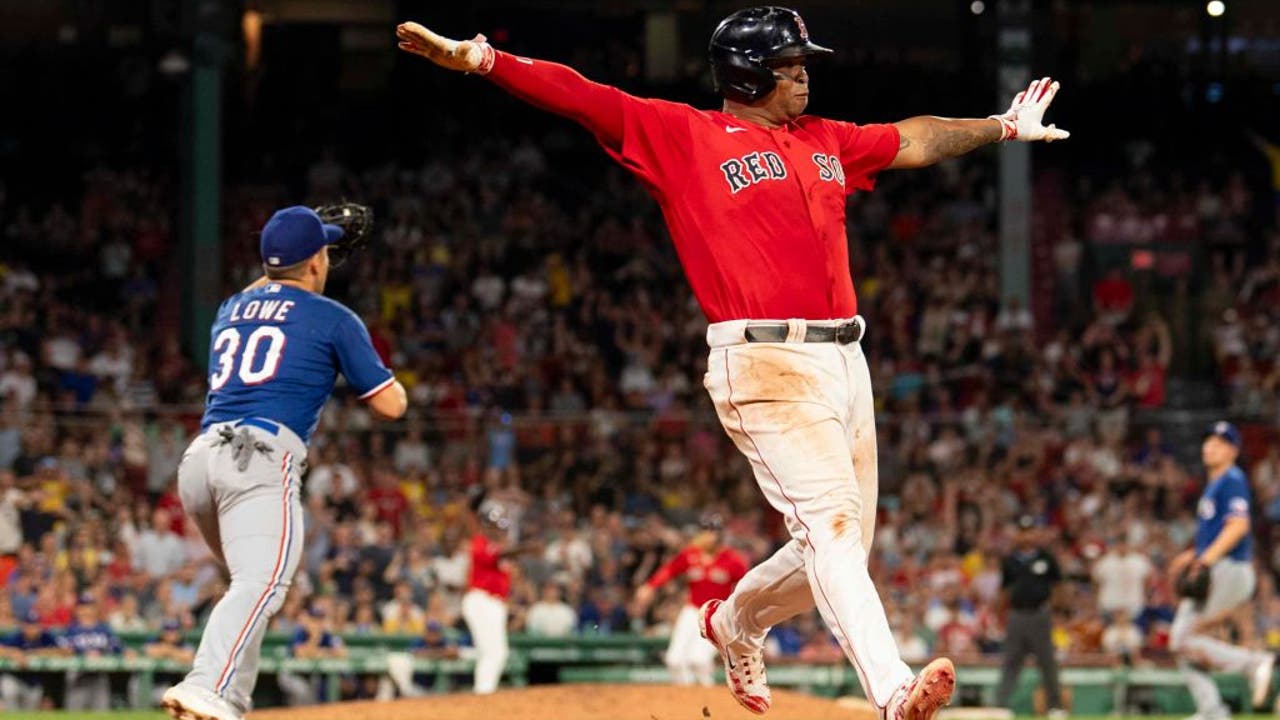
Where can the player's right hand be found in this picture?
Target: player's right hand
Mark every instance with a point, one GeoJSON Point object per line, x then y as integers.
{"type": "Point", "coordinates": [474, 55]}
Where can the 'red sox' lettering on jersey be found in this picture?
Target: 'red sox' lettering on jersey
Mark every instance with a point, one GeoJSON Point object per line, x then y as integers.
{"type": "Point", "coordinates": [753, 168]}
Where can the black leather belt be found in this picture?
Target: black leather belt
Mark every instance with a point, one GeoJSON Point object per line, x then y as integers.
{"type": "Point", "coordinates": [843, 333]}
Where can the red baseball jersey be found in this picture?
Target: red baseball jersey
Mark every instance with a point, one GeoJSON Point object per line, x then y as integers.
{"type": "Point", "coordinates": [487, 573]}
{"type": "Point", "coordinates": [757, 215]}
{"type": "Point", "coordinates": [711, 577]}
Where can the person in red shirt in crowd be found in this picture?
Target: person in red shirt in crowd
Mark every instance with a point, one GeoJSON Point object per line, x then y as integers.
{"type": "Point", "coordinates": [389, 499]}
{"type": "Point", "coordinates": [754, 197]}
{"type": "Point", "coordinates": [712, 570]}
{"type": "Point", "coordinates": [484, 606]}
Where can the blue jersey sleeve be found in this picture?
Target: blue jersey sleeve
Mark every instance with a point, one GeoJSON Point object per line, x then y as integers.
{"type": "Point", "coordinates": [300, 637]}
{"type": "Point", "coordinates": [1233, 496]}
{"type": "Point", "coordinates": [357, 360]}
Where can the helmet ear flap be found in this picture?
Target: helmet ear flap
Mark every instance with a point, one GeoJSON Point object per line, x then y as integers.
{"type": "Point", "coordinates": [738, 78]}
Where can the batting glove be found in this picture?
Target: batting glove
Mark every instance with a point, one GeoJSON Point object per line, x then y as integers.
{"type": "Point", "coordinates": [470, 56]}
{"type": "Point", "coordinates": [1023, 119]}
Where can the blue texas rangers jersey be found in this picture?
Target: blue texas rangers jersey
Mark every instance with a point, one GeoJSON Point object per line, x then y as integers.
{"type": "Point", "coordinates": [1225, 496]}
{"type": "Point", "coordinates": [276, 354]}
{"type": "Point", "coordinates": [98, 638]}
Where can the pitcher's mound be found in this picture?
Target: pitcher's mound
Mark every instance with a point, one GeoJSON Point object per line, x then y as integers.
{"type": "Point", "coordinates": [577, 702]}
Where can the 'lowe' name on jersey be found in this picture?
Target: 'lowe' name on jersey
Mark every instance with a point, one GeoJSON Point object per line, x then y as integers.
{"type": "Point", "coordinates": [276, 352]}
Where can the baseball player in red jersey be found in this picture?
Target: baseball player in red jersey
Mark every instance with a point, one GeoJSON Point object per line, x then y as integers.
{"type": "Point", "coordinates": [484, 606]}
{"type": "Point", "coordinates": [712, 571]}
{"type": "Point", "coordinates": [754, 198]}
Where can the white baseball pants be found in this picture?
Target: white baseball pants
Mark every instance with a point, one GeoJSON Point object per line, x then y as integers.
{"type": "Point", "coordinates": [486, 618]}
{"type": "Point", "coordinates": [690, 657]}
{"type": "Point", "coordinates": [802, 413]}
{"type": "Point", "coordinates": [247, 506]}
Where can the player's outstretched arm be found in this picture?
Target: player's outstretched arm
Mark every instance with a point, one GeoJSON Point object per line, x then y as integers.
{"type": "Point", "coordinates": [550, 86]}
{"type": "Point", "coordinates": [926, 139]}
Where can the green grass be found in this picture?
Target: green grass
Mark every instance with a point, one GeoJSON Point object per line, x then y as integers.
{"type": "Point", "coordinates": [112, 715]}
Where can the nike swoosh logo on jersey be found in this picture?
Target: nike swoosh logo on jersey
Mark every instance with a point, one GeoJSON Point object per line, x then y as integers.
{"type": "Point", "coordinates": [732, 129]}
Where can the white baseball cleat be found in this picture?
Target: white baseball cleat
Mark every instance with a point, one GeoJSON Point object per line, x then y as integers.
{"type": "Point", "coordinates": [1260, 679]}
{"type": "Point", "coordinates": [744, 674]}
{"type": "Point", "coordinates": [929, 692]}
{"type": "Point", "coordinates": [186, 702]}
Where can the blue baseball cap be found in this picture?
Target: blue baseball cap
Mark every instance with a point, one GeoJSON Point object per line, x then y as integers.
{"type": "Point", "coordinates": [295, 234]}
{"type": "Point", "coordinates": [1226, 431]}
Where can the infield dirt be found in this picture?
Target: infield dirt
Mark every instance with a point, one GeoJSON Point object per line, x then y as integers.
{"type": "Point", "coordinates": [576, 702]}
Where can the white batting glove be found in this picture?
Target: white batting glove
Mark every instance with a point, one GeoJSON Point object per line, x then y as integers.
{"type": "Point", "coordinates": [1023, 119]}
{"type": "Point", "coordinates": [471, 56]}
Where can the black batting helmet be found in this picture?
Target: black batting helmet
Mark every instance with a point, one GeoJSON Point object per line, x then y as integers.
{"type": "Point", "coordinates": [748, 41]}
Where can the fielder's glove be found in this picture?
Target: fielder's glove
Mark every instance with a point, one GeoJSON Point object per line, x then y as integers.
{"type": "Point", "coordinates": [1193, 582]}
{"type": "Point", "coordinates": [470, 56]}
{"type": "Point", "coordinates": [355, 220]}
{"type": "Point", "coordinates": [1022, 121]}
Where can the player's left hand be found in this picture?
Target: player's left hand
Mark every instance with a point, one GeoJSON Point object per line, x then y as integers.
{"type": "Point", "coordinates": [474, 55]}
{"type": "Point", "coordinates": [1024, 118]}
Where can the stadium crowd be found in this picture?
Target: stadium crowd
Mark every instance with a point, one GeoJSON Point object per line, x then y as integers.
{"type": "Point", "coordinates": [553, 358]}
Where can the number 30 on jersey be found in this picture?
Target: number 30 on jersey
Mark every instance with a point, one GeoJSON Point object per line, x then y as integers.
{"type": "Point", "coordinates": [228, 344]}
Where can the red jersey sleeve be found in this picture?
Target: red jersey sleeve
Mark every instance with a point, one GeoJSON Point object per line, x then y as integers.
{"type": "Point", "coordinates": [673, 569]}
{"type": "Point", "coordinates": [865, 150]}
{"type": "Point", "coordinates": [655, 141]}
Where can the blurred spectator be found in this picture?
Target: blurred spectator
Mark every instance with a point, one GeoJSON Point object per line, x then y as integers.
{"type": "Point", "coordinates": [26, 690]}
{"type": "Point", "coordinates": [89, 636]}
{"type": "Point", "coordinates": [1122, 638]}
{"type": "Point", "coordinates": [400, 615]}
{"type": "Point", "coordinates": [159, 551]}
{"type": "Point", "coordinates": [603, 613]}
{"type": "Point", "coordinates": [551, 616]}
{"type": "Point", "coordinates": [312, 641]}
{"type": "Point", "coordinates": [1121, 574]}
{"type": "Point", "coordinates": [171, 649]}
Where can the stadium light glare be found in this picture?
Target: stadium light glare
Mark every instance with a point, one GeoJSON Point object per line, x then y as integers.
{"type": "Point", "coordinates": [977, 7]}
{"type": "Point", "coordinates": [1215, 8]}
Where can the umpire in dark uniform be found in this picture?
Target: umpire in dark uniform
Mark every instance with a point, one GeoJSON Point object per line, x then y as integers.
{"type": "Point", "coordinates": [1028, 575]}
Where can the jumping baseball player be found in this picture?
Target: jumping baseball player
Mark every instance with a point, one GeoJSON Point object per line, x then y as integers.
{"type": "Point", "coordinates": [754, 199]}
{"type": "Point", "coordinates": [484, 606]}
{"type": "Point", "coordinates": [1224, 550]}
{"type": "Point", "coordinates": [277, 349]}
{"type": "Point", "coordinates": [712, 570]}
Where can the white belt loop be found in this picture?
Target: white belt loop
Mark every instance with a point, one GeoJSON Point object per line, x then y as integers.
{"type": "Point", "coordinates": [796, 329]}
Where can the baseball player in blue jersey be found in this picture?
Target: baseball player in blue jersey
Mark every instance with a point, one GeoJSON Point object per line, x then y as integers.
{"type": "Point", "coordinates": [1223, 547]}
{"type": "Point", "coordinates": [277, 348]}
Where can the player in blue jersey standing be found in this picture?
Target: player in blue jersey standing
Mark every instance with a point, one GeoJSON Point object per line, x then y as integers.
{"type": "Point", "coordinates": [277, 348]}
{"type": "Point", "coordinates": [1224, 548]}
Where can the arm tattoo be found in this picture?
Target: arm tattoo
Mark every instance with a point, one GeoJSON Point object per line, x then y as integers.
{"type": "Point", "coordinates": [952, 139]}
{"type": "Point", "coordinates": [904, 142]}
